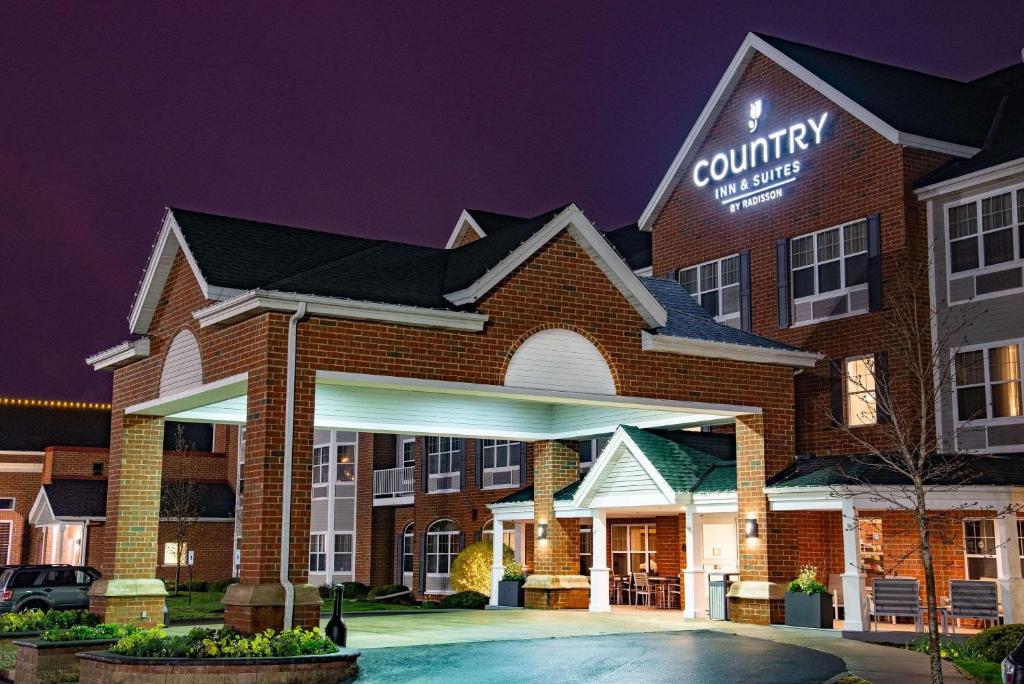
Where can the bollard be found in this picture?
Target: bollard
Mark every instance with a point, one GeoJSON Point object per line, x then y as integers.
{"type": "Point", "coordinates": [335, 629]}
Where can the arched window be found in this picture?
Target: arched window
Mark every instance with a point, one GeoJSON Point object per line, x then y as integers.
{"type": "Point", "coordinates": [508, 534]}
{"type": "Point", "coordinates": [407, 541]}
{"type": "Point", "coordinates": [443, 545]}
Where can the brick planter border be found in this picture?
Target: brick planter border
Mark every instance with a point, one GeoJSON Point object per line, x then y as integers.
{"type": "Point", "coordinates": [101, 667]}
{"type": "Point", "coordinates": [51, 662]}
{"type": "Point", "coordinates": [8, 673]}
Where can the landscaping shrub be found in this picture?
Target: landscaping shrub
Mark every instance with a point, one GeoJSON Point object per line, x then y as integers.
{"type": "Point", "coordinates": [356, 591]}
{"type": "Point", "coordinates": [471, 569]}
{"type": "Point", "coordinates": [995, 643]}
{"type": "Point", "coordinates": [224, 643]}
{"type": "Point", "coordinates": [377, 592]}
{"type": "Point", "coordinates": [429, 604]}
{"type": "Point", "coordinates": [196, 585]}
{"type": "Point", "coordinates": [948, 649]}
{"type": "Point", "coordinates": [38, 621]}
{"type": "Point", "coordinates": [465, 599]}
{"type": "Point", "coordinates": [222, 585]}
{"type": "Point", "coordinates": [807, 582]}
{"type": "Point", "coordinates": [88, 632]}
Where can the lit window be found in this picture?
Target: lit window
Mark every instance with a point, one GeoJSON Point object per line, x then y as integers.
{"type": "Point", "coordinates": [500, 459]}
{"type": "Point", "coordinates": [988, 383]}
{"type": "Point", "coordinates": [321, 464]}
{"type": "Point", "coordinates": [317, 552]}
{"type": "Point", "coordinates": [980, 548]}
{"type": "Point", "coordinates": [861, 392]}
{"type": "Point", "coordinates": [344, 552]}
{"type": "Point", "coordinates": [172, 554]}
{"type": "Point", "coordinates": [508, 536]}
{"type": "Point", "coordinates": [633, 549]}
{"type": "Point", "coordinates": [346, 463]}
{"type": "Point", "coordinates": [716, 286]}
{"type": "Point", "coordinates": [444, 466]}
{"type": "Point", "coordinates": [828, 263]}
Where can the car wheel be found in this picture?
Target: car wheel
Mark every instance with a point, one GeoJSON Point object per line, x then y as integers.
{"type": "Point", "coordinates": [35, 605]}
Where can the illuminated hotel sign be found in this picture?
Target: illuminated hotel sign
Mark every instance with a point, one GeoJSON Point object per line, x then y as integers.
{"type": "Point", "coordinates": [758, 170]}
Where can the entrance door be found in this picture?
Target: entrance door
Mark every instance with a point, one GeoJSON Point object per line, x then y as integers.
{"type": "Point", "coordinates": [720, 549]}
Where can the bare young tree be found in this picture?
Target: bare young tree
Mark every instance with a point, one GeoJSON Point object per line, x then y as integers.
{"type": "Point", "coordinates": [902, 464]}
{"type": "Point", "coordinates": [180, 504]}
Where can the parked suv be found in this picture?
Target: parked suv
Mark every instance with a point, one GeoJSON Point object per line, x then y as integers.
{"type": "Point", "coordinates": [62, 587]}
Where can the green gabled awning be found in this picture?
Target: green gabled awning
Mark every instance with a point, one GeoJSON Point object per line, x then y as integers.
{"type": "Point", "coordinates": [689, 462]}
{"type": "Point", "coordinates": [524, 495]}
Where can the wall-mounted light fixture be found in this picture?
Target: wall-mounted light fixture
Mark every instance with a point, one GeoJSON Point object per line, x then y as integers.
{"type": "Point", "coordinates": [542, 531]}
{"type": "Point", "coordinates": [752, 531]}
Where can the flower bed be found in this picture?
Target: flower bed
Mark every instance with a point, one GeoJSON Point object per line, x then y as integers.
{"type": "Point", "coordinates": [209, 655]}
{"type": "Point", "coordinates": [29, 624]}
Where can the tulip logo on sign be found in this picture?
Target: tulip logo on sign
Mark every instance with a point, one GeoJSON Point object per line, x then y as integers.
{"type": "Point", "coordinates": [758, 170]}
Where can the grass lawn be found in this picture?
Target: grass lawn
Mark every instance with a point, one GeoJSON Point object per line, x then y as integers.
{"type": "Point", "coordinates": [207, 604]}
{"type": "Point", "coordinates": [979, 671]}
{"type": "Point", "coordinates": [8, 651]}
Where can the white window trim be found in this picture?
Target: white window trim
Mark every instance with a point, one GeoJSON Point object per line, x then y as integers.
{"type": "Point", "coordinates": [981, 269]}
{"type": "Point", "coordinates": [963, 528]}
{"type": "Point", "coordinates": [400, 452]}
{"type": "Point", "coordinates": [408, 540]}
{"type": "Point", "coordinates": [324, 553]}
{"type": "Point", "coordinates": [335, 553]}
{"type": "Point", "coordinates": [181, 549]}
{"type": "Point", "coordinates": [514, 469]}
{"type": "Point", "coordinates": [721, 318]}
{"type": "Point", "coordinates": [322, 467]}
{"type": "Point", "coordinates": [456, 475]}
{"type": "Point", "coordinates": [13, 500]}
{"type": "Point", "coordinates": [648, 552]}
{"type": "Point", "coordinates": [10, 539]}
{"type": "Point", "coordinates": [453, 536]}
{"type": "Point", "coordinates": [847, 392]}
{"type": "Point", "coordinates": [844, 290]}
{"type": "Point", "coordinates": [985, 422]}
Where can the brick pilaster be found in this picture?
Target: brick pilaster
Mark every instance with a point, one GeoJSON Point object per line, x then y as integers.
{"type": "Point", "coordinates": [555, 465]}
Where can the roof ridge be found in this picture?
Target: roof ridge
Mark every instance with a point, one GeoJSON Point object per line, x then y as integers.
{"type": "Point", "coordinates": [334, 262]}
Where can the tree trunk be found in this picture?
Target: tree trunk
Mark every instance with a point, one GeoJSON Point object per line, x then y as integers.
{"type": "Point", "coordinates": [177, 573]}
{"type": "Point", "coordinates": [929, 586]}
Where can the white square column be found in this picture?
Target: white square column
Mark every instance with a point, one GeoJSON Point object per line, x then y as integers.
{"type": "Point", "coordinates": [599, 568]}
{"type": "Point", "coordinates": [694, 587]}
{"type": "Point", "coordinates": [1011, 586]}
{"type": "Point", "coordinates": [855, 615]}
{"type": "Point", "coordinates": [498, 562]}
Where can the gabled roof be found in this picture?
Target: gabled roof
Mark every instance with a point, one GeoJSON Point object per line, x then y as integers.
{"type": "Point", "coordinates": [34, 428]}
{"type": "Point", "coordinates": [633, 245]}
{"type": "Point", "coordinates": [828, 471]}
{"type": "Point", "coordinates": [77, 499]}
{"type": "Point", "coordinates": [905, 107]}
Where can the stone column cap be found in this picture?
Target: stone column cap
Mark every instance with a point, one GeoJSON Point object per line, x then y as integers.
{"type": "Point", "coordinates": [557, 582]}
{"type": "Point", "coordinates": [268, 595]}
{"type": "Point", "coordinates": [127, 587]}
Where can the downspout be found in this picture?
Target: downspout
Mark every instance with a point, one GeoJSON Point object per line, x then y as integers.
{"type": "Point", "coordinates": [286, 487]}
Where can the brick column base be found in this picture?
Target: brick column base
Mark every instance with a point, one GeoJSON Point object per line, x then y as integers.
{"type": "Point", "coordinates": [138, 602]}
{"type": "Point", "coordinates": [252, 608]}
{"type": "Point", "coordinates": [553, 592]}
{"type": "Point", "coordinates": [757, 611]}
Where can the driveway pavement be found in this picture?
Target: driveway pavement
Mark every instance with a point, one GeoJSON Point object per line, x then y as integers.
{"type": "Point", "coordinates": [694, 656]}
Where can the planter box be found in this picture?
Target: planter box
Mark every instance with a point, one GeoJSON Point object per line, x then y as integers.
{"type": "Point", "coordinates": [52, 662]}
{"type": "Point", "coordinates": [510, 594]}
{"type": "Point", "coordinates": [8, 651]}
{"type": "Point", "coordinates": [103, 667]}
{"type": "Point", "coordinates": [808, 610]}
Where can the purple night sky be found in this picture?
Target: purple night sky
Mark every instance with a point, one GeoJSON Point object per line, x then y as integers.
{"type": "Point", "coordinates": [374, 120]}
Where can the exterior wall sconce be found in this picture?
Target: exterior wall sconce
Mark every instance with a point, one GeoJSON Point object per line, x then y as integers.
{"type": "Point", "coordinates": [751, 529]}
{"type": "Point", "coordinates": [542, 531]}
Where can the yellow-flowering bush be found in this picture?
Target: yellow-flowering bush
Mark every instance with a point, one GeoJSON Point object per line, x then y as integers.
{"type": "Point", "coordinates": [471, 569]}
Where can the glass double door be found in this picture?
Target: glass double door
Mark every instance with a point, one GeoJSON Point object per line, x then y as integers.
{"type": "Point", "coordinates": [634, 549]}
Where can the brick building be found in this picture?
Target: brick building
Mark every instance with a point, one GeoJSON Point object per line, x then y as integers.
{"type": "Point", "coordinates": [53, 488]}
{"type": "Point", "coordinates": [681, 396]}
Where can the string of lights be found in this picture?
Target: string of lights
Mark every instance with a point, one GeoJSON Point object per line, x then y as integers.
{"type": "Point", "coordinates": [54, 403]}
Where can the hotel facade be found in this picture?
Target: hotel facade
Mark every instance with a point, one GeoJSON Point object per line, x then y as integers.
{"type": "Point", "coordinates": [682, 396]}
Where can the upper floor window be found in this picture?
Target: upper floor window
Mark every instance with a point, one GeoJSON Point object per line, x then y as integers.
{"type": "Point", "coordinates": [716, 286]}
{"type": "Point", "coordinates": [406, 452]}
{"type": "Point", "coordinates": [988, 383]}
{"type": "Point", "coordinates": [346, 463]}
{"type": "Point", "coordinates": [590, 449]}
{"type": "Point", "coordinates": [6, 504]}
{"type": "Point", "coordinates": [321, 464]}
{"type": "Point", "coordinates": [830, 261]}
{"type": "Point", "coordinates": [1001, 235]}
{"type": "Point", "coordinates": [501, 463]}
{"type": "Point", "coordinates": [444, 464]}
{"type": "Point", "coordinates": [861, 398]}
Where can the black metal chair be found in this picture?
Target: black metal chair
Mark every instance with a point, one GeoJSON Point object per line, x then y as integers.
{"type": "Point", "coordinates": [972, 599]}
{"type": "Point", "coordinates": [896, 598]}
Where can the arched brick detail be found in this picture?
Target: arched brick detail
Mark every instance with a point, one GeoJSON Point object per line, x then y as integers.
{"type": "Point", "coordinates": [182, 366]}
{"type": "Point", "coordinates": [571, 328]}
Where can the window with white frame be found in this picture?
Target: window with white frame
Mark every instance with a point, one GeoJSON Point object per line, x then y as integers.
{"type": "Point", "coordinates": [346, 463]}
{"type": "Point", "coordinates": [586, 549]}
{"type": "Point", "coordinates": [442, 548]}
{"type": "Point", "coordinates": [590, 449]}
{"type": "Point", "coordinates": [831, 263]}
{"type": "Point", "coordinates": [173, 552]}
{"type": "Point", "coordinates": [344, 552]}
{"type": "Point", "coordinates": [318, 552]}
{"type": "Point", "coordinates": [633, 549]}
{"type": "Point", "coordinates": [998, 239]}
{"type": "Point", "coordinates": [407, 452]}
{"type": "Point", "coordinates": [321, 465]}
{"type": "Point", "coordinates": [988, 383]}
{"type": "Point", "coordinates": [716, 286]}
{"type": "Point", "coordinates": [443, 466]}
{"type": "Point", "coordinates": [861, 392]}
{"type": "Point", "coordinates": [6, 504]}
{"type": "Point", "coordinates": [407, 540]}
{"type": "Point", "coordinates": [500, 459]}
{"type": "Point", "coordinates": [508, 536]}
{"type": "Point", "coordinates": [980, 548]}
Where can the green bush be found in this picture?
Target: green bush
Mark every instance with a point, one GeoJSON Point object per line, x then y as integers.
{"type": "Point", "coordinates": [471, 569]}
{"type": "Point", "coordinates": [465, 599]}
{"type": "Point", "coordinates": [807, 582]}
{"type": "Point", "coordinates": [429, 604]}
{"type": "Point", "coordinates": [222, 585]}
{"type": "Point", "coordinates": [355, 591]}
{"type": "Point", "coordinates": [196, 585]}
{"type": "Point", "coordinates": [948, 649]}
{"type": "Point", "coordinates": [224, 643]}
{"type": "Point", "coordinates": [514, 572]}
{"type": "Point", "coordinates": [377, 592]}
{"type": "Point", "coordinates": [995, 643]}
{"type": "Point", "coordinates": [37, 621]}
{"type": "Point", "coordinates": [87, 632]}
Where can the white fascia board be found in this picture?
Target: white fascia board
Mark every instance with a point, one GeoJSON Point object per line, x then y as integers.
{"type": "Point", "coordinates": [803, 498]}
{"type": "Point", "coordinates": [512, 511]}
{"type": "Point", "coordinates": [584, 496]}
{"type": "Point", "coordinates": [120, 355]}
{"type": "Point", "coordinates": [970, 180]}
{"type": "Point", "coordinates": [645, 272]}
{"type": "Point", "coordinates": [465, 219]}
{"type": "Point", "coordinates": [41, 512]}
{"type": "Point", "coordinates": [18, 452]}
{"type": "Point", "coordinates": [886, 498]}
{"type": "Point", "coordinates": [725, 350]}
{"type": "Point", "coordinates": [727, 84]}
{"type": "Point", "coordinates": [21, 467]}
{"type": "Point", "coordinates": [193, 398]}
{"type": "Point", "coordinates": [565, 509]}
{"type": "Point", "coordinates": [255, 302]}
{"type": "Point", "coordinates": [715, 502]}
{"type": "Point", "coordinates": [599, 249]}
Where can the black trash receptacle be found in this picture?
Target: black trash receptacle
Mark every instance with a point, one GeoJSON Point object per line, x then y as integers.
{"type": "Point", "coordinates": [718, 594]}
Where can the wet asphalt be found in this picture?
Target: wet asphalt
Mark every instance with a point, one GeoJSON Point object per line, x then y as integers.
{"type": "Point", "coordinates": [692, 656]}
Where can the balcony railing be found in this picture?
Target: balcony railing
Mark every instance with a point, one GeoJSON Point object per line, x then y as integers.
{"type": "Point", "coordinates": [393, 483]}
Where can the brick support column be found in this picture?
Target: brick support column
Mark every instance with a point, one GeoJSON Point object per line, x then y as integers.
{"type": "Point", "coordinates": [257, 601]}
{"type": "Point", "coordinates": [375, 525]}
{"type": "Point", "coordinates": [129, 593]}
{"type": "Point", "coordinates": [556, 582]}
{"type": "Point", "coordinates": [764, 446]}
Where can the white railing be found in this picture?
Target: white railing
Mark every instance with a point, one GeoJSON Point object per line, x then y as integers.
{"type": "Point", "coordinates": [393, 482]}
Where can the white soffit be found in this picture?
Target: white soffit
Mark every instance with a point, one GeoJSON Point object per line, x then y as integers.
{"type": "Point", "coordinates": [556, 358]}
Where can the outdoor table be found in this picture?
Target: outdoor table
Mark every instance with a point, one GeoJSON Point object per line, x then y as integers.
{"type": "Point", "coordinates": [662, 586]}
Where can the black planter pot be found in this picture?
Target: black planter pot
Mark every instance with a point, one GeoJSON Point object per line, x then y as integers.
{"type": "Point", "coordinates": [510, 594]}
{"type": "Point", "coordinates": [808, 610]}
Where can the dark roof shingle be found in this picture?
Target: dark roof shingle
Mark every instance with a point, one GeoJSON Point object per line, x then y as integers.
{"type": "Point", "coordinates": [826, 471]}
{"type": "Point", "coordinates": [34, 428]}
{"type": "Point", "coordinates": [88, 499]}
